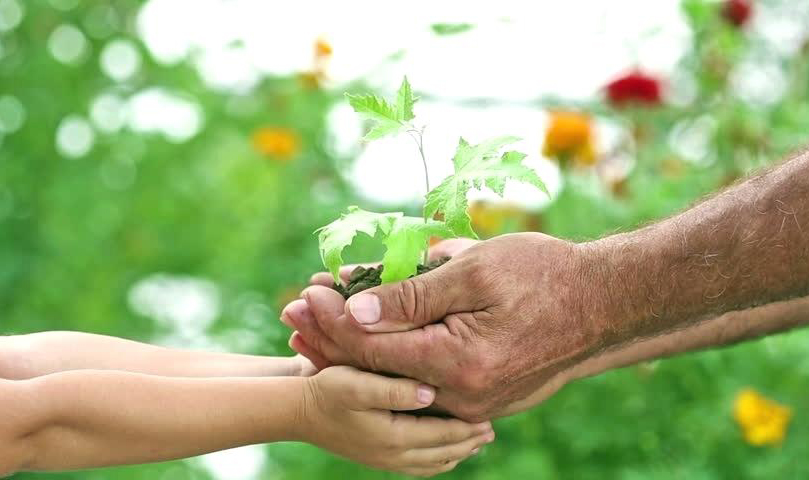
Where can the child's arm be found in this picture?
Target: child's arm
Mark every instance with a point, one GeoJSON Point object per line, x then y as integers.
{"type": "Point", "coordinates": [86, 418]}
{"type": "Point", "coordinates": [28, 356]}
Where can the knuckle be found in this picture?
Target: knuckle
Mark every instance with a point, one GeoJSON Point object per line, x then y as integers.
{"type": "Point", "coordinates": [396, 397]}
{"type": "Point", "coordinates": [449, 436]}
{"type": "Point", "coordinates": [411, 296]}
{"type": "Point", "coordinates": [477, 275]}
{"type": "Point", "coordinates": [395, 441]}
{"type": "Point", "coordinates": [370, 357]}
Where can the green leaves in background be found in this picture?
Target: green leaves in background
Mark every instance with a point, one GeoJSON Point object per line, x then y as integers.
{"type": "Point", "coordinates": [451, 28]}
{"type": "Point", "coordinates": [476, 166]}
{"type": "Point", "coordinates": [387, 118]}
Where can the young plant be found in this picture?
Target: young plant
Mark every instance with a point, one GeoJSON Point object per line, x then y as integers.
{"type": "Point", "coordinates": [407, 238]}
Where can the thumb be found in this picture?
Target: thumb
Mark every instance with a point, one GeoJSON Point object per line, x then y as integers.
{"type": "Point", "coordinates": [406, 305]}
{"type": "Point", "coordinates": [384, 393]}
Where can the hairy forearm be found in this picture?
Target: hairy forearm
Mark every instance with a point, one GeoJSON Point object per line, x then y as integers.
{"type": "Point", "coordinates": [727, 329]}
{"type": "Point", "coordinates": [745, 247]}
{"type": "Point", "coordinates": [101, 418]}
{"type": "Point", "coordinates": [32, 355]}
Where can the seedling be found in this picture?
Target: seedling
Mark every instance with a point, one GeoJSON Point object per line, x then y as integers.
{"type": "Point", "coordinates": [407, 238]}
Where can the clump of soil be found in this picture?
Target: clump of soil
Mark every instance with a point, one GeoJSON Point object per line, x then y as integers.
{"type": "Point", "coordinates": [364, 278]}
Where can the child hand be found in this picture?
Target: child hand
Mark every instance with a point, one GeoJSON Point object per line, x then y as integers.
{"type": "Point", "coordinates": [347, 411]}
{"type": "Point", "coordinates": [302, 366]}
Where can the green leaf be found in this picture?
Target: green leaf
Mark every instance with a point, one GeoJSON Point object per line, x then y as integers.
{"type": "Point", "coordinates": [406, 243]}
{"type": "Point", "coordinates": [339, 234]}
{"type": "Point", "coordinates": [379, 111]}
{"type": "Point", "coordinates": [451, 28]}
{"type": "Point", "coordinates": [476, 166]}
{"type": "Point", "coordinates": [404, 237]}
{"type": "Point", "coordinates": [405, 101]}
{"type": "Point", "coordinates": [388, 119]}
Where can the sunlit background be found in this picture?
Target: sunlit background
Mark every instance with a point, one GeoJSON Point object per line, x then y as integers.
{"type": "Point", "coordinates": [163, 165]}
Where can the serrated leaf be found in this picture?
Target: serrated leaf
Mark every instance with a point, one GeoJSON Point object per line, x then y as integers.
{"type": "Point", "coordinates": [405, 101]}
{"type": "Point", "coordinates": [476, 166]}
{"type": "Point", "coordinates": [406, 242]}
{"type": "Point", "coordinates": [377, 110]}
{"type": "Point", "coordinates": [450, 28]}
{"type": "Point", "coordinates": [387, 118]}
{"type": "Point", "coordinates": [339, 234]}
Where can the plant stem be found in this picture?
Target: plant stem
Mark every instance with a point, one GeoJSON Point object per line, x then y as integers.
{"type": "Point", "coordinates": [418, 137]}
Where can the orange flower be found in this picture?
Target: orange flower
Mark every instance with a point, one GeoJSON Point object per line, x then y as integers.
{"type": "Point", "coordinates": [278, 142]}
{"type": "Point", "coordinates": [314, 79]}
{"type": "Point", "coordinates": [570, 136]}
{"type": "Point", "coordinates": [763, 421]}
{"type": "Point", "coordinates": [322, 48]}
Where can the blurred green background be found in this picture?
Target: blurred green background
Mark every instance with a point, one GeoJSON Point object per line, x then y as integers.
{"type": "Point", "coordinates": [139, 200]}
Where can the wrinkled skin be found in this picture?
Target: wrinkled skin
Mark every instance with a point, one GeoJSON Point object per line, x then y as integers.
{"type": "Point", "coordinates": [486, 330]}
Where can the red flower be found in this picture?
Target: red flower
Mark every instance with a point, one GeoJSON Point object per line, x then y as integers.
{"type": "Point", "coordinates": [634, 87]}
{"type": "Point", "coordinates": [737, 12]}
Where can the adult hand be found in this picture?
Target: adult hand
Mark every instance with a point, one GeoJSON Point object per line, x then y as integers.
{"type": "Point", "coordinates": [299, 317]}
{"type": "Point", "coordinates": [487, 329]}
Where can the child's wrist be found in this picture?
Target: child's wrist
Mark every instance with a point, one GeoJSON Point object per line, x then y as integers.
{"type": "Point", "coordinates": [301, 427]}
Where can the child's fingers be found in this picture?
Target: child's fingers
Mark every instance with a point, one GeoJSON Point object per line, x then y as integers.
{"type": "Point", "coordinates": [426, 432]}
{"type": "Point", "coordinates": [439, 456]}
{"type": "Point", "coordinates": [375, 392]}
{"type": "Point", "coordinates": [299, 345]}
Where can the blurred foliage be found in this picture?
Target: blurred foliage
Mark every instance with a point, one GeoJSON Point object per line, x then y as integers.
{"type": "Point", "coordinates": [237, 203]}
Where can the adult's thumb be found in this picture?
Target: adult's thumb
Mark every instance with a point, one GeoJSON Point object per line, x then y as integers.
{"type": "Point", "coordinates": [405, 305]}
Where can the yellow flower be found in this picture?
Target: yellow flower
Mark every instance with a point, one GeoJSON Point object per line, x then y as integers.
{"type": "Point", "coordinates": [763, 421]}
{"type": "Point", "coordinates": [322, 48]}
{"type": "Point", "coordinates": [570, 137]}
{"type": "Point", "coordinates": [278, 142]}
{"type": "Point", "coordinates": [492, 219]}
{"type": "Point", "coordinates": [311, 80]}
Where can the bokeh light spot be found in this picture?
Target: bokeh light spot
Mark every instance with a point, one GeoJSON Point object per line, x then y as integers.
{"type": "Point", "coordinates": [12, 114]}
{"type": "Point", "coordinates": [108, 112]}
{"type": "Point", "coordinates": [157, 110]}
{"type": "Point", "coordinates": [120, 60]}
{"type": "Point", "coordinates": [67, 44]}
{"type": "Point", "coordinates": [11, 13]}
{"type": "Point", "coordinates": [74, 136]}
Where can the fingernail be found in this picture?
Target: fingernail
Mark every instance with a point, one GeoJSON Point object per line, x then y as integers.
{"type": "Point", "coordinates": [484, 427]}
{"type": "Point", "coordinates": [364, 308]}
{"type": "Point", "coordinates": [475, 451]}
{"type": "Point", "coordinates": [425, 394]}
{"type": "Point", "coordinates": [295, 308]}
